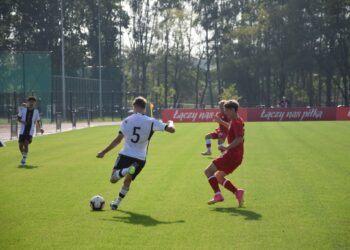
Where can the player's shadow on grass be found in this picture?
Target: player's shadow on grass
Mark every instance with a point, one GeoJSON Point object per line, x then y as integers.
{"type": "Point", "coordinates": [248, 215]}
{"type": "Point", "coordinates": [141, 219]}
{"type": "Point", "coordinates": [27, 167]}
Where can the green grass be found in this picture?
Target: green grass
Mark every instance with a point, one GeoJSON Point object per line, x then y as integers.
{"type": "Point", "coordinates": [296, 176]}
{"type": "Point", "coordinates": [4, 121]}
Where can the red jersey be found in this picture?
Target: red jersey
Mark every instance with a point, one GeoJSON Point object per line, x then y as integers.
{"type": "Point", "coordinates": [222, 128]}
{"type": "Point", "coordinates": [235, 130]}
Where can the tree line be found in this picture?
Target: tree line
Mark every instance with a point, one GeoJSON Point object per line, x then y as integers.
{"type": "Point", "coordinates": [195, 52]}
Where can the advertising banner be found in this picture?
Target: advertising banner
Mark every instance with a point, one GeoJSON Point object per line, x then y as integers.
{"type": "Point", "coordinates": [261, 114]}
{"type": "Point", "coordinates": [194, 115]}
{"type": "Point", "coordinates": [291, 114]}
{"type": "Point", "coordinates": [343, 113]}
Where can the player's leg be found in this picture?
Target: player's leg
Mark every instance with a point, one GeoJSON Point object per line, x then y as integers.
{"type": "Point", "coordinates": [239, 193]}
{"type": "Point", "coordinates": [127, 182]}
{"type": "Point", "coordinates": [24, 149]}
{"type": "Point", "coordinates": [208, 138]}
{"type": "Point", "coordinates": [21, 146]}
{"type": "Point", "coordinates": [122, 193]}
{"type": "Point", "coordinates": [220, 176]}
{"type": "Point", "coordinates": [117, 174]}
{"type": "Point", "coordinates": [122, 167]}
{"type": "Point", "coordinates": [210, 173]}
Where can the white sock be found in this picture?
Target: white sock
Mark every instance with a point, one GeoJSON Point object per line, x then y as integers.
{"type": "Point", "coordinates": [208, 141]}
{"type": "Point", "coordinates": [24, 154]}
{"type": "Point", "coordinates": [122, 194]}
{"type": "Point", "coordinates": [120, 173]}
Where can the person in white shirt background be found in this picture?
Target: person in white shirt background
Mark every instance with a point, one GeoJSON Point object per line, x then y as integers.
{"type": "Point", "coordinates": [29, 118]}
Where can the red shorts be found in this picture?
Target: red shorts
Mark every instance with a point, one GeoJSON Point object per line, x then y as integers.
{"type": "Point", "coordinates": [227, 162]}
{"type": "Point", "coordinates": [218, 134]}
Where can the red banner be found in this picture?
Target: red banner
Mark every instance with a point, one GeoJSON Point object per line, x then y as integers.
{"type": "Point", "coordinates": [261, 114]}
{"type": "Point", "coordinates": [343, 113]}
{"type": "Point", "coordinates": [194, 115]}
{"type": "Point", "coordinates": [291, 114]}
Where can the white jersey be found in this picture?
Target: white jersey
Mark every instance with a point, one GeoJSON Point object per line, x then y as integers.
{"type": "Point", "coordinates": [30, 117]}
{"type": "Point", "coordinates": [138, 130]}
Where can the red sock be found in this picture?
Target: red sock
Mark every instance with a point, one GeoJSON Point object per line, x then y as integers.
{"type": "Point", "coordinates": [229, 186]}
{"type": "Point", "coordinates": [214, 183]}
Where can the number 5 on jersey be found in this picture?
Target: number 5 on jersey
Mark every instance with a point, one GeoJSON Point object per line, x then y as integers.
{"type": "Point", "coordinates": [135, 134]}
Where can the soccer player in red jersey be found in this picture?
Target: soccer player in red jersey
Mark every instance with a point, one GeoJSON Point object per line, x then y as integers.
{"type": "Point", "coordinates": [220, 133]}
{"type": "Point", "coordinates": [232, 157]}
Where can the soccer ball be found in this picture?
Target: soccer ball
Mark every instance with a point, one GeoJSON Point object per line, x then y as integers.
{"type": "Point", "coordinates": [97, 202]}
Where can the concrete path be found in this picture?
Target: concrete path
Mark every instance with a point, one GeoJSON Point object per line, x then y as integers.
{"type": "Point", "coordinates": [50, 128]}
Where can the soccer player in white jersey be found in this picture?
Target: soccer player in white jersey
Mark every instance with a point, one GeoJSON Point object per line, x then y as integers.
{"type": "Point", "coordinates": [137, 131]}
{"type": "Point", "coordinates": [29, 118]}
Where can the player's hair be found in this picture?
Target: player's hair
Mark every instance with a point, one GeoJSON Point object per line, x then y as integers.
{"type": "Point", "coordinates": [222, 102]}
{"type": "Point", "coordinates": [232, 104]}
{"type": "Point", "coordinates": [31, 98]}
{"type": "Point", "coordinates": [140, 102]}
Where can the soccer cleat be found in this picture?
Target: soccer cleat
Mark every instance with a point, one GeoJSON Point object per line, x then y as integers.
{"type": "Point", "coordinates": [132, 170]}
{"type": "Point", "coordinates": [240, 197]}
{"type": "Point", "coordinates": [217, 198]}
{"type": "Point", "coordinates": [23, 162]}
{"type": "Point", "coordinates": [114, 205]}
{"type": "Point", "coordinates": [206, 153]}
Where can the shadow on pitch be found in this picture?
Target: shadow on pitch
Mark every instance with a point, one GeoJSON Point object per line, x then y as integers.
{"type": "Point", "coordinates": [27, 167]}
{"type": "Point", "coordinates": [210, 157]}
{"type": "Point", "coordinates": [248, 215]}
{"type": "Point", "coordinates": [140, 219]}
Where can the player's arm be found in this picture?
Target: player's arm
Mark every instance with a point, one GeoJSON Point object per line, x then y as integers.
{"type": "Point", "coordinates": [113, 144]}
{"type": "Point", "coordinates": [19, 118]}
{"type": "Point", "coordinates": [160, 126]}
{"type": "Point", "coordinates": [237, 141]}
{"type": "Point", "coordinates": [39, 125]}
{"type": "Point", "coordinates": [239, 131]}
{"type": "Point", "coordinates": [170, 127]}
{"type": "Point", "coordinates": [222, 122]}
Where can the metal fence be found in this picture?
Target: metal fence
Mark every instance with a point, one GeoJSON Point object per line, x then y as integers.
{"type": "Point", "coordinates": [21, 74]}
{"type": "Point", "coordinates": [29, 73]}
{"type": "Point", "coordinates": [82, 97]}
{"type": "Point", "coordinates": [80, 105]}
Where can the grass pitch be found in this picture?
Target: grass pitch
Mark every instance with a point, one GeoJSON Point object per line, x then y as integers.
{"type": "Point", "coordinates": [296, 177]}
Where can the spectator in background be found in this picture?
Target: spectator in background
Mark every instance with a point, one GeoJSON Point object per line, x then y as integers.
{"type": "Point", "coordinates": [284, 103]}
{"type": "Point", "coordinates": [29, 118]}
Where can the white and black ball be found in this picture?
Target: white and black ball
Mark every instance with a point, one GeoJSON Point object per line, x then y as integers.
{"type": "Point", "coordinates": [97, 203]}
